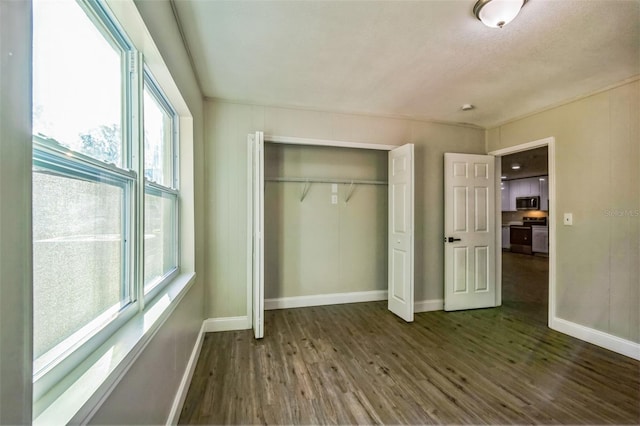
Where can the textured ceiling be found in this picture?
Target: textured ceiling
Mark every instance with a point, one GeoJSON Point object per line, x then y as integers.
{"type": "Point", "coordinates": [420, 59]}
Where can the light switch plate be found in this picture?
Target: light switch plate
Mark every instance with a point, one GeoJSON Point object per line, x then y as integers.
{"type": "Point", "coordinates": [568, 219]}
{"type": "Point", "coordinates": [334, 199]}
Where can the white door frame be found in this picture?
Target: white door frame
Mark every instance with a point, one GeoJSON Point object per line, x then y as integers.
{"type": "Point", "coordinates": [327, 142]}
{"type": "Point", "coordinates": [292, 141]}
{"type": "Point", "coordinates": [550, 143]}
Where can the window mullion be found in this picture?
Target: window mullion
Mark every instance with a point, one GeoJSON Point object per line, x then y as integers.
{"type": "Point", "coordinates": [136, 126]}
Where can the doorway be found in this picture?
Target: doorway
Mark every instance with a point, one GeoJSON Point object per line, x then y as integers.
{"type": "Point", "coordinates": [525, 178]}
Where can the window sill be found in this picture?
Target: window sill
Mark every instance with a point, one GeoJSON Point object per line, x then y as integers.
{"type": "Point", "coordinates": [89, 385]}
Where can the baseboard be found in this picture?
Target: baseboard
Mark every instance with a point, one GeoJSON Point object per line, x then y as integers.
{"type": "Point", "coordinates": [341, 298]}
{"type": "Point", "coordinates": [598, 338]}
{"type": "Point", "coordinates": [212, 325]}
{"type": "Point", "coordinates": [208, 326]}
{"type": "Point", "coordinates": [178, 401]}
{"type": "Point", "coordinates": [429, 305]}
{"type": "Point", "coordinates": [324, 299]}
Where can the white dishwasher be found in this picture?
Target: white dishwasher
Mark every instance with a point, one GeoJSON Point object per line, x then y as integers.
{"type": "Point", "coordinates": [539, 239]}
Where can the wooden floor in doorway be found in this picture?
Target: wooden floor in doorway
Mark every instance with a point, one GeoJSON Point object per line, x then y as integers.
{"type": "Point", "coordinates": [359, 364]}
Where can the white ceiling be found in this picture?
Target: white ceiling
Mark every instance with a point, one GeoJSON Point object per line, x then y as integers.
{"type": "Point", "coordinates": [420, 59]}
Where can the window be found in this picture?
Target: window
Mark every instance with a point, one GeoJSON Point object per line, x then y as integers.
{"type": "Point", "coordinates": [77, 81]}
{"type": "Point", "coordinates": [105, 202]}
{"type": "Point", "coordinates": [80, 234]}
{"type": "Point", "coordinates": [161, 198]}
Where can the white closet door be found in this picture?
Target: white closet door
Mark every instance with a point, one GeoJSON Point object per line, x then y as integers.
{"type": "Point", "coordinates": [470, 233]}
{"type": "Point", "coordinates": [256, 146]}
{"type": "Point", "coordinates": [401, 184]}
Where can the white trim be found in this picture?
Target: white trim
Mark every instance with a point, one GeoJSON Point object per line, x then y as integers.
{"type": "Point", "coordinates": [429, 305]}
{"type": "Point", "coordinates": [325, 299]}
{"type": "Point", "coordinates": [342, 298]}
{"type": "Point", "coordinates": [524, 147]}
{"type": "Point", "coordinates": [498, 224]}
{"type": "Point", "coordinates": [327, 142]}
{"type": "Point", "coordinates": [212, 325]}
{"type": "Point", "coordinates": [249, 230]}
{"type": "Point", "coordinates": [181, 394]}
{"type": "Point", "coordinates": [551, 152]}
{"type": "Point", "coordinates": [550, 143]}
{"type": "Point", "coordinates": [598, 338]}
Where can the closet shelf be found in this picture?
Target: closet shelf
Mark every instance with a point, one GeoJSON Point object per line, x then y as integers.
{"type": "Point", "coordinates": [322, 180]}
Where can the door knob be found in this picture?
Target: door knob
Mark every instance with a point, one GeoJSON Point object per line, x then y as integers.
{"type": "Point", "coordinates": [451, 239]}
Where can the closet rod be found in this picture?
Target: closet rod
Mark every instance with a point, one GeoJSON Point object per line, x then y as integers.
{"type": "Point", "coordinates": [319, 180]}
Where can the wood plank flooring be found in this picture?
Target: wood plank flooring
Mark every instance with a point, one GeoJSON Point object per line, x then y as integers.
{"type": "Point", "coordinates": [359, 364]}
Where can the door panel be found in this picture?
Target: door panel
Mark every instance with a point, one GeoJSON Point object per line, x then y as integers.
{"type": "Point", "coordinates": [256, 146]}
{"type": "Point", "coordinates": [460, 209]}
{"type": "Point", "coordinates": [399, 266]}
{"type": "Point", "coordinates": [481, 210]}
{"type": "Point", "coordinates": [460, 270]}
{"type": "Point", "coordinates": [482, 269]}
{"type": "Point", "coordinates": [470, 222]}
{"type": "Point", "coordinates": [401, 184]}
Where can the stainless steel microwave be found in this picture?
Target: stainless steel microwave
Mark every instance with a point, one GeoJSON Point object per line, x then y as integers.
{"type": "Point", "coordinates": [528, 203]}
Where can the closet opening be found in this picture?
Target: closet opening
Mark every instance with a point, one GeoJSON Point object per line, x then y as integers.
{"type": "Point", "coordinates": [325, 215]}
{"type": "Point", "coordinates": [329, 222]}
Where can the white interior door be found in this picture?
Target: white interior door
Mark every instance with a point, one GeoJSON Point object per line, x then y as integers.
{"type": "Point", "coordinates": [469, 225]}
{"type": "Point", "coordinates": [401, 184]}
{"type": "Point", "coordinates": [256, 149]}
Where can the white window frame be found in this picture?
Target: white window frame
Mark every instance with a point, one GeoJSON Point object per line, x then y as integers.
{"type": "Point", "coordinates": [62, 358]}
{"type": "Point", "coordinates": [165, 279]}
{"type": "Point", "coordinates": [56, 365]}
{"type": "Point", "coordinates": [171, 191]}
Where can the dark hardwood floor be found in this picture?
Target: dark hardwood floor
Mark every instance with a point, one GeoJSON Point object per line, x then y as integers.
{"type": "Point", "coordinates": [359, 364]}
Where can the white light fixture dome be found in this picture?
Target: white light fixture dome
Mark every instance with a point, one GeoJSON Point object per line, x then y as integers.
{"type": "Point", "coordinates": [497, 13]}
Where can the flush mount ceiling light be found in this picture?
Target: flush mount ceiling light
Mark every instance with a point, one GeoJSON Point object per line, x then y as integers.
{"type": "Point", "coordinates": [515, 166]}
{"type": "Point", "coordinates": [497, 13]}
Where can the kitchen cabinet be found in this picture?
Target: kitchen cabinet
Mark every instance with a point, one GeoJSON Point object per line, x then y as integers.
{"type": "Point", "coordinates": [504, 190]}
{"type": "Point", "coordinates": [544, 193]}
{"type": "Point", "coordinates": [520, 239]}
{"type": "Point", "coordinates": [518, 188]}
{"type": "Point", "coordinates": [514, 190]}
{"type": "Point", "coordinates": [529, 187]}
{"type": "Point", "coordinates": [540, 239]}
